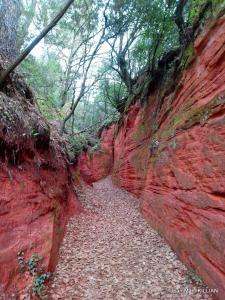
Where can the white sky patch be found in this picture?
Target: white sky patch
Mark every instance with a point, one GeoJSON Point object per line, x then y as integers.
{"type": "Point", "coordinates": [39, 50]}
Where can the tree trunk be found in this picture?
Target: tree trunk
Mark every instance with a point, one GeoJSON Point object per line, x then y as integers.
{"type": "Point", "coordinates": [29, 48]}
{"type": "Point", "coordinates": [179, 19]}
{"type": "Point", "coordinates": [9, 18]}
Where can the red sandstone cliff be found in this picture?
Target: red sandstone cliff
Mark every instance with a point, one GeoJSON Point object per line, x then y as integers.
{"type": "Point", "coordinates": [36, 195]}
{"type": "Point", "coordinates": [94, 164]}
{"type": "Point", "coordinates": [173, 158]}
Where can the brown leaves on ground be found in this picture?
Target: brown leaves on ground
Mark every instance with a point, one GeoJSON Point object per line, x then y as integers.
{"type": "Point", "coordinates": [110, 252]}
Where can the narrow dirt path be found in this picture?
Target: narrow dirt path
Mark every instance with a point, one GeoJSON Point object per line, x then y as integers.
{"type": "Point", "coordinates": [110, 252]}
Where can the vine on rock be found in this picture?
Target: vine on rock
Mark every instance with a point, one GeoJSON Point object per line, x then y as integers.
{"type": "Point", "coordinates": [35, 269]}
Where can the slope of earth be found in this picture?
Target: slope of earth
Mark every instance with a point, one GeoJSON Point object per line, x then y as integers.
{"type": "Point", "coordinates": [36, 189]}
{"type": "Point", "coordinates": [110, 252]}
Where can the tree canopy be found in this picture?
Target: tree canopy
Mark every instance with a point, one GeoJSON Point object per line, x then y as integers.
{"type": "Point", "coordinates": [87, 66]}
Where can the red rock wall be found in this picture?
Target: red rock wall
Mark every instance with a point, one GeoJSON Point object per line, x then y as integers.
{"type": "Point", "coordinates": [174, 160]}
{"type": "Point", "coordinates": [94, 165]}
{"type": "Point", "coordinates": [36, 197]}
{"type": "Point", "coordinates": [173, 157]}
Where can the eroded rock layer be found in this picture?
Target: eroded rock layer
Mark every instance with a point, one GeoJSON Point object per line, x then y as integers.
{"type": "Point", "coordinates": [36, 196]}
{"type": "Point", "coordinates": [95, 164]}
{"type": "Point", "coordinates": [170, 152]}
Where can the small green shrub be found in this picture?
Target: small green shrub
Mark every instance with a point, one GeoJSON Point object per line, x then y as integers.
{"type": "Point", "coordinates": [195, 9]}
{"type": "Point", "coordinates": [20, 256]}
{"type": "Point", "coordinates": [32, 264]}
{"type": "Point", "coordinates": [96, 147]}
{"type": "Point", "coordinates": [79, 142]}
{"type": "Point", "coordinates": [39, 284]}
{"type": "Point", "coordinates": [35, 269]}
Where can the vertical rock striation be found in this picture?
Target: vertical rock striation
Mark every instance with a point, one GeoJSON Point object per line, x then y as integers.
{"type": "Point", "coordinates": [170, 152]}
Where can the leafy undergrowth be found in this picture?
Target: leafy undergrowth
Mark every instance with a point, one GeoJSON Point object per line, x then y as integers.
{"type": "Point", "coordinates": [34, 268]}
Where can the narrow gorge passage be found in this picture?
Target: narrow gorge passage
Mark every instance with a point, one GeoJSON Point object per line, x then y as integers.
{"type": "Point", "coordinates": [110, 252]}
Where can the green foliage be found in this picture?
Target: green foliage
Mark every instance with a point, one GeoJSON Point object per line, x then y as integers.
{"type": "Point", "coordinates": [152, 24]}
{"type": "Point", "coordinates": [218, 5]}
{"type": "Point", "coordinates": [136, 35]}
{"type": "Point", "coordinates": [195, 9]}
{"type": "Point", "coordinates": [197, 6]}
{"type": "Point", "coordinates": [79, 142]}
{"type": "Point", "coordinates": [39, 284]}
{"type": "Point", "coordinates": [188, 56]}
{"type": "Point", "coordinates": [20, 256]}
{"type": "Point", "coordinates": [44, 75]}
{"type": "Point", "coordinates": [113, 118]}
{"type": "Point", "coordinates": [96, 147]}
{"type": "Point", "coordinates": [32, 264]}
{"type": "Point", "coordinates": [113, 91]}
{"type": "Point", "coordinates": [88, 138]}
{"type": "Point", "coordinates": [36, 270]}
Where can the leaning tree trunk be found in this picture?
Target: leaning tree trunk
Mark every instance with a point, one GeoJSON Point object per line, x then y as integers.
{"type": "Point", "coordinates": [30, 47]}
{"type": "Point", "coordinates": [179, 20]}
{"type": "Point", "coordinates": [9, 19]}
